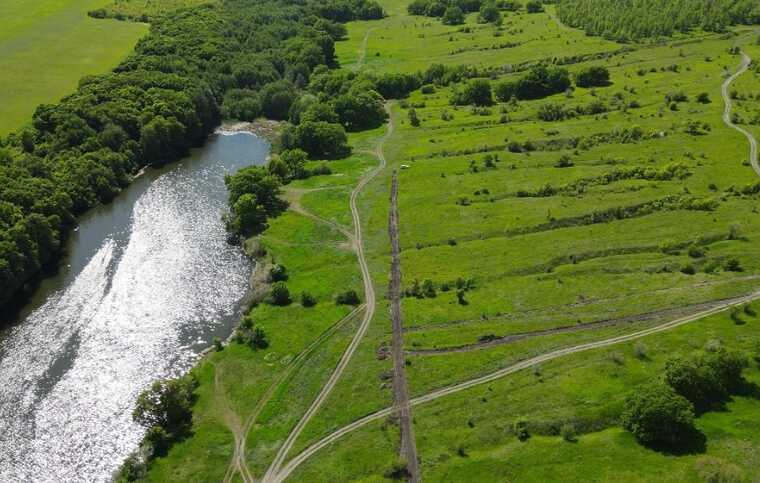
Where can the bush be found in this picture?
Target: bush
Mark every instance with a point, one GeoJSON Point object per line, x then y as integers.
{"type": "Point", "coordinates": [279, 295]}
{"type": "Point", "coordinates": [278, 273]}
{"type": "Point", "coordinates": [308, 300]}
{"type": "Point", "coordinates": [453, 16]}
{"type": "Point", "coordinates": [521, 430]}
{"type": "Point", "coordinates": [413, 119]}
{"type": "Point", "coordinates": [552, 111]}
{"type": "Point", "coordinates": [534, 6]}
{"type": "Point", "coordinates": [166, 411]}
{"type": "Point", "coordinates": [564, 162]}
{"type": "Point", "coordinates": [349, 297]}
{"type": "Point", "coordinates": [592, 76]}
{"type": "Point", "coordinates": [656, 414]}
{"type": "Point", "coordinates": [476, 92]}
{"type": "Point", "coordinates": [540, 81]}
{"type": "Point", "coordinates": [567, 431]}
{"type": "Point", "coordinates": [317, 138]}
{"type": "Point", "coordinates": [703, 98]}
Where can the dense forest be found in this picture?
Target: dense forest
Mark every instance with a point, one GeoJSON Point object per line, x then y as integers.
{"type": "Point", "coordinates": [236, 57]}
{"type": "Point", "coordinates": [626, 20]}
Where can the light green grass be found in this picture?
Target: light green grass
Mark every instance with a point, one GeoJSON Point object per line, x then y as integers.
{"type": "Point", "coordinates": [46, 46]}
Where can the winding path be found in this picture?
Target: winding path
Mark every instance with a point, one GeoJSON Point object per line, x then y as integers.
{"type": "Point", "coordinates": [273, 473]}
{"type": "Point", "coordinates": [746, 61]}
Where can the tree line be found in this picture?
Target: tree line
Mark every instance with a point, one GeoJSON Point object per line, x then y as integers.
{"type": "Point", "coordinates": [627, 20]}
{"type": "Point", "coordinates": [234, 58]}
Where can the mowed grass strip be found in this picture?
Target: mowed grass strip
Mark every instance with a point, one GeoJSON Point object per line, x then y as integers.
{"type": "Point", "coordinates": [46, 46]}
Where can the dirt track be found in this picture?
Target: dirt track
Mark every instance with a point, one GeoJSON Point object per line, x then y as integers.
{"type": "Point", "coordinates": [630, 319]}
{"type": "Point", "coordinates": [273, 472]}
{"type": "Point", "coordinates": [746, 61]}
{"type": "Point", "coordinates": [400, 389]}
{"type": "Point", "coordinates": [445, 391]}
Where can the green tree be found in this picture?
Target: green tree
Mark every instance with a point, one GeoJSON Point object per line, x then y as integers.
{"type": "Point", "coordinates": [279, 294]}
{"type": "Point", "coordinates": [592, 76]}
{"type": "Point", "coordinates": [453, 16]}
{"type": "Point", "coordinates": [657, 414]}
{"type": "Point", "coordinates": [476, 92]}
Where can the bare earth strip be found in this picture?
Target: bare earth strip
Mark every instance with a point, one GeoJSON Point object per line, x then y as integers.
{"type": "Point", "coordinates": [746, 61]}
{"type": "Point", "coordinates": [629, 319]}
{"type": "Point", "coordinates": [400, 388]}
{"type": "Point", "coordinates": [272, 473]}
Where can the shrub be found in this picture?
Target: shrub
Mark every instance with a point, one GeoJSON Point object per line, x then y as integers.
{"type": "Point", "coordinates": [733, 265]}
{"type": "Point", "coordinates": [476, 92]}
{"type": "Point", "coordinates": [165, 409]}
{"type": "Point", "coordinates": [657, 414]}
{"type": "Point", "coordinates": [278, 273]}
{"type": "Point", "coordinates": [308, 300]}
{"type": "Point", "coordinates": [640, 350]}
{"type": "Point", "coordinates": [567, 431]}
{"type": "Point", "coordinates": [676, 96]}
{"type": "Point", "coordinates": [428, 89]}
{"type": "Point", "coordinates": [460, 298]}
{"type": "Point", "coordinates": [552, 111]}
{"type": "Point", "coordinates": [534, 6]}
{"type": "Point", "coordinates": [279, 295]}
{"type": "Point", "coordinates": [453, 16]}
{"type": "Point", "coordinates": [349, 297]}
{"type": "Point", "coordinates": [564, 162]}
{"type": "Point", "coordinates": [218, 346]}
{"type": "Point", "coordinates": [413, 119]}
{"type": "Point", "coordinates": [521, 430]}
{"type": "Point", "coordinates": [703, 98]}
{"type": "Point", "coordinates": [592, 76]}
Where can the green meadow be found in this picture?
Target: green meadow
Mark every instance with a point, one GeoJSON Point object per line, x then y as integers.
{"type": "Point", "coordinates": [46, 46]}
{"type": "Point", "coordinates": [526, 228]}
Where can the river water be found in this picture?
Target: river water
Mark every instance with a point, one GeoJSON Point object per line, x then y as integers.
{"type": "Point", "coordinates": [148, 282]}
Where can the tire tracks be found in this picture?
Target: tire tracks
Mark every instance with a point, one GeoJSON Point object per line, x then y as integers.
{"type": "Point", "coordinates": [746, 61]}
{"type": "Point", "coordinates": [273, 472]}
{"type": "Point", "coordinates": [401, 404]}
{"type": "Point", "coordinates": [522, 365]}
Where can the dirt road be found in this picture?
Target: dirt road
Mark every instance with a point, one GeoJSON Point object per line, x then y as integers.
{"type": "Point", "coordinates": [401, 405]}
{"type": "Point", "coordinates": [746, 61]}
{"type": "Point", "coordinates": [308, 452]}
{"type": "Point", "coordinates": [272, 474]}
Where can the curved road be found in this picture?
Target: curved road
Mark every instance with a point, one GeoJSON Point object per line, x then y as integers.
{"type": "Point", "coordinates": [746, 61]}
{"type": "Point", "coordinates": [305, 454]}
{"type": "Point", "coordinates": [273, 473]}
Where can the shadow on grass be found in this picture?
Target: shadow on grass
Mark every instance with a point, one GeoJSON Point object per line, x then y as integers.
{"type": "Point", "coordinates": [693, 442]}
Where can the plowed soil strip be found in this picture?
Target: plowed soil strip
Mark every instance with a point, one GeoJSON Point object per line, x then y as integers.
{"type": "Point", "coordinates": [400, 388]}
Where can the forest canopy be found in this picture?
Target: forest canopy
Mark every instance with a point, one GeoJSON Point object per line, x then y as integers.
{"type": "Point", "coordinates": [234, 58]}
{"type": "Point", "coordinates": [626, 20]}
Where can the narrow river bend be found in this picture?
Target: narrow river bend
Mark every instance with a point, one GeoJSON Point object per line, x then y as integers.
{"type": "Point", "coordinates": [148, 282]}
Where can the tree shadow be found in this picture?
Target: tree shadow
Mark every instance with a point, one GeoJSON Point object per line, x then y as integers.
{"type": "Point", "coordinates": [693, 442]}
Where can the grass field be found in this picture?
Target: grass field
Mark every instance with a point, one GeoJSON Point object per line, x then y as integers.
{"type": "Point", "coordinates": [46, 46]}
{"type": "Point", "coordinates": [541, 262]}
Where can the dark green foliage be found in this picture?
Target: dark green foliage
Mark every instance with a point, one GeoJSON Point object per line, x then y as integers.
{"type": "Point", "coordinates": [308, 300]}
{"type": "Point", "coordinates": [625, 20]}
{"type": "Point", "coordinates": [279, 294]}
{"type": "Point", "coordinates": [656, 414]}
{"type": "Point", "coordinates": [253, 195]}
{"type": "Point", "coordinates": [413, 119]}
{"type": "Point", "coordinates": [349, 297]}
{"type": "Point", "coordinates": [706, 379]}
{"type": "Point", "coordinates": [278, 273]}
{"type": "Point", "coordinates": [318, 139]}
{"type": "Point", "coordinates": [289, 165]}
{"type": "Point", "coordinates": [521, 430]}
{"type": "Point", "coordinates": [540, 81]}
{"type": "Point", "coordinates": [165, 410]}
{"type": "Point", "coordinates": [453, 16]}
{"type": "Point", "coordinates": [476, 92]}
{"type": "Point", "coordinates": [489, 13]}
{"type": "Point", "coordinates": [360, 109]}
{"type": "Point", "coordinates": [534, 6]}
{"type": "Point", "coordinates": [251, 57]}
{"type": "Point", "coordinates": [592, 76]}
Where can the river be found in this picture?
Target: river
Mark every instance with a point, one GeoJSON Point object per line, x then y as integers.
{"type": "Point", "coordinates": [147, 283]}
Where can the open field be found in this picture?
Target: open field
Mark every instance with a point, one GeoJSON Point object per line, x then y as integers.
{"type": "Point", "coordinates": [46, 46]}
{"type": "Point", "coordinates": [526, 255]}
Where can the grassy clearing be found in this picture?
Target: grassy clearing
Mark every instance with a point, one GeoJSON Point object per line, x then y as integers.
{"type": "Point", "coordinates": [46, 47]}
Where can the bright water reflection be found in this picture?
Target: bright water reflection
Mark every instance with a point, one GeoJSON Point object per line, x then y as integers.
{"type": "Point", "coordinates": [151, 280]}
